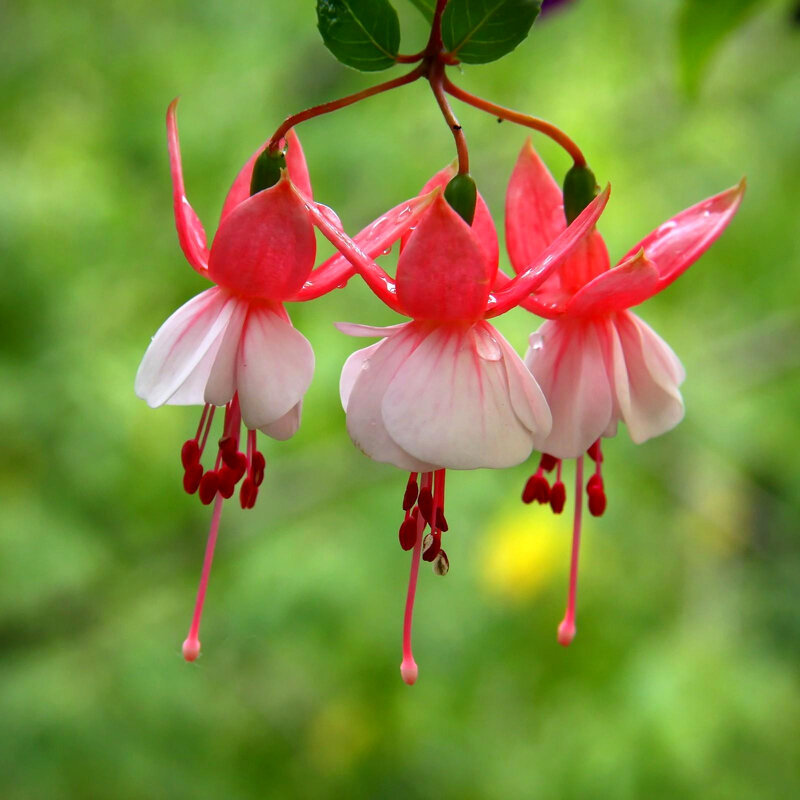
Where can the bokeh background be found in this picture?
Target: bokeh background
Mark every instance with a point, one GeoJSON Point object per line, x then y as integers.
{"type": "Point", "coordinates": [683, 679]}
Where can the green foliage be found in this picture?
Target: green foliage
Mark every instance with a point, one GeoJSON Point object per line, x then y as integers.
{"type": "Point", "coordinates": [462, 194]}
{"type": "Point", "coordinates": [364, 34]}
{"type": "Point", "coordinates": [427, 7]}
{"type": "Point", "coordinates": [479, 31]}
{"type": "Point", "coordinates": [703, 26]}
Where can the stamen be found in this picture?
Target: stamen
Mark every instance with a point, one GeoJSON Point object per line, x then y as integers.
{"type": "Point", "coordinates": [408, 668]}
{"type": "Point", "coordinates": [558, 493]}
{"type": "Point", "coordinates": [209, 420]}
{"type": "Point", "coordinates": [566, 630]}
{"type": "Point", "coordinates": [190, 453]}
{"type": "Point", "coordinates": [206, 407]}
{"type": "Point", "coordinates": [425, 503]}
{"type": "Point", "coordinates": [547, 462]}
{"type": "Point", "coordinates": [191, 646]}
{"type": "Point", "coordinates": [441, 564]}
{"type": "Point", "coordinates": [258, 466]}
{"type": "Point", "coordinates": [408, 530]}
{"type": "Point", "coordinates": [192, 477]}
{"type": "Point", "coordinates": [595, 489]}
{"type": "Point", "coordinates": [411, 493]}
{"type": "Point", "coordinates": [207, 489]}
{"type": "Point", "coordinates": [537, 488]}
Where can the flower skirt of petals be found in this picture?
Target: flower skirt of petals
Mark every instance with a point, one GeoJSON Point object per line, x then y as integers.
{"type": "Point", "coordinates": [598, 371]}
{"type": "Point", "coordinates": [218, 344]}
{"type": "Point", "coordinates": [441, 395]}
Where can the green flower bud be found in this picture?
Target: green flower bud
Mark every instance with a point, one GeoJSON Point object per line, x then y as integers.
{"type": "Point", "coordinates": [462, 194]}
{"type": "Point", "coordinates": [267, 171]}
{"type": "Point", "coordinates": [580, 188]}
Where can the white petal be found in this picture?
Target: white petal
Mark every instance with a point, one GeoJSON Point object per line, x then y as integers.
{"type": "Point", "coordinates": [486, 342]}
{"type": "Point", "coordinates": [274, 367]}
{"type": "Point", "coordinates": [352, 369]}
{"type": "Point", "coordinates": [527, 398]}
{"type": "Point", "coordinates": [566, 358]}
{"type": "Point", "coordinates": [364, 420]}
{"type": "Point", "coordinates": [186, 342]}
{"type": "Point", "coordinates": [654, 404]}
{"type": "Point", "coordinates": [285, 427]}
{"type": "Point", "coordinates": [221, 382]}
{"type": "Point", "coordinates": [448, 406]}
{"type": "Point", "coordinates": [354, 329]}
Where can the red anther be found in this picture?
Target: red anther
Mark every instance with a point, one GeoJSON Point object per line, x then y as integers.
{"type": "Point", "coordinates": [228, 446]}
{"type": "Point", "coordinates": [441, 522]}
{"type": "Point", "coordinates": [412, 491]}
{"type": "Point", "coordinates": [558, 496]}
{"type": "Point", "coordinates": [595, 484]}
{"type": "Point", "coordinates": [253, 497]}
{"type": "Point", "coordinates": [258, 466]}
{"type": "Point", "coordinates": [240, 467]}
{"type": "Point", "coordinates": [548, 462]}
{"type": "Point", "coordinates": [247, 492]}
{"type": "Point", "coordinates": [595, 453]}
{"type": "Point", "coordinates": [431, 547]}
{"type": "Point", "coordinates": [597, 503]}
{"type": "Point", "coordinates": [537, 488]}
{"type": "Point", "coordinates": [425, 503]}
{"type": "Point", "coordinates": [209, 484]}
{"type": "Point", "coordinates": [190, 453]}
{"type": "Point", "coordinates": [408, 533]}
{"type": "Point", "coordinates": [191, 478]}
{"type": "Point", "coordinates": [227, 481]}
{"type": "Point", "coordinates": [441, 564]}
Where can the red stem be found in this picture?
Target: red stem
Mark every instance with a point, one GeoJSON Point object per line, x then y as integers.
{"type": "Point", "coordinates": [547, 128]}
{"type": "Point", "coordinates": [342, 102]}
{"type": "Point", "coordinates": [437, 80]}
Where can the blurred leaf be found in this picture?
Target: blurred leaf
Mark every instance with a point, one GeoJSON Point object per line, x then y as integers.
{"type": "Point", "coordinates": [427, 7]}
{"type": "Point", "coordinates": [478, 31]}
{"type": "Point", "coordinates": [364, 34]}
{"type": "Point", "coordinates": [703, 26]}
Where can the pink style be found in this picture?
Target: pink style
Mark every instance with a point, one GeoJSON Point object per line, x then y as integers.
{"type": "Point", "coordinates": [597, 362]}
{"type": "Point", "coordinates": [445, 390]}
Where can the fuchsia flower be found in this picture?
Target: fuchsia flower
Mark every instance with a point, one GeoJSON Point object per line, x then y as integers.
{"type": "Point", "coordinates": [596, 362]}
{"type": "Point", "coordinates": [445, 390]}
{"type": "Point", "coordinates": [234, 345]}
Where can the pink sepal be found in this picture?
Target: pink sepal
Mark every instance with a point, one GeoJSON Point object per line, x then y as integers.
{"type": "Point", "coordinates": [295, 165]}
{"type": "Point", "coordinates": [628, 284]}
{"type": "Point", "coordinates": [191, 236]}
{"type": "Point", "coordinates": [674, 246]}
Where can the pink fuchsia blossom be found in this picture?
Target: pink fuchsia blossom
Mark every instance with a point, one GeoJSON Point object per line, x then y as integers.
{"type": "Point", "coordinates": [596, 361]}
{"type": "Point", "coordinates": [234, 345]}
{"type": "Point", "coordinates": [444, 390]}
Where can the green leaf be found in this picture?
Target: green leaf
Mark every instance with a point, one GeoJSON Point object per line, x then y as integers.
{"type": "Point", "coordinates": [364, 34]}
{"type": "Point", "coordinates": [477, 31]}
{"type": "Point", "coordinates": [427, 7]}
{"type": "Point", "coordinates": [703, 25]}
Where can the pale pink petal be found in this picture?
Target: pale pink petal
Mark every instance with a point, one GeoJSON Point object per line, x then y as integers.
{"type": "Point", "coordinates": [679, 242]}
{"type": "Point", "coordinates": [487, 342]}
{"type": "Point", "coordinates": [364, 418]}
{"type": "Point", "coordinates": [189, 339]}
{"type": "Point", "coordinates": [191, 235]}
{"type": "Point", "coordinates": [628, 284]}
{"type": "Point", "coordinates": [534, 209]}
{"type": "Point", "coordinates": [274, 368]}
{"type": "Point", "coordinates": [295, 165]}
{"type": "Point", "coordinates": [653, 403]}
{"type": "Point", "coordinates": [367, 331]}
{"type": "Point", "coordinates": [285, 427]}
{"type": "Point", "coordinates": [527, 398]}
{"type": "Point", "coordinates": [447, 406]}
{"type": "Point", "coordinates": [567, 360]}
{"type": "Point", "coordinates": [352, 369]}
{"type": "Point", "coordinates": [221, 381]}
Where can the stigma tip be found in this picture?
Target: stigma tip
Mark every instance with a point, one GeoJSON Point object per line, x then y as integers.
{"type": "Point", "coordinates": [191, 649]}
{"type": "Point", "coordinates": [409, 671]}
{"type": "Point", "coordinates": [566, 633]}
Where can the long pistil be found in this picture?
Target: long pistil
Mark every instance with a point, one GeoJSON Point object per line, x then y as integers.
{"type": "Point", "coordinates": [191, 646]}
{"type": "Point", "coordinates": [408, 667]}
{"type": "Point", "coordinates": [566, 630]}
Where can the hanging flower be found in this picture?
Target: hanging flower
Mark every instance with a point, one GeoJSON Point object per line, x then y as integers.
{"type": "Point", "coordinates": [597, 362]}
{"type": "Point", "coordinates": [234, 345]}
{"type": "Point", "coordinates": [445, 390]}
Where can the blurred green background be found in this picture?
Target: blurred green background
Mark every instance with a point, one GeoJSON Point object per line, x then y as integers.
{"type": "Point", "coordinates": [683, 679]}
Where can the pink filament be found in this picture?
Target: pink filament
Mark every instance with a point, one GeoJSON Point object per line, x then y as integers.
{"type": "Point", "coordinates": [191, 647]}
{"type": "Point", "coordinates": [566, 630]}
{"type": "Point", "coordinates": [408, 667]}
